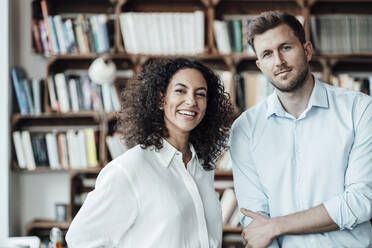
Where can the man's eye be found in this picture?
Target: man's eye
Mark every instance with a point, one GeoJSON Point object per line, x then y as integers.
{"type": "Point", "coordinates": [286, 47]}
{"type": "Point", "coordinates": [265, 55]}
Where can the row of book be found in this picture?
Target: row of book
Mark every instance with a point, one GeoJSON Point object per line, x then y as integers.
{"type": "Point", "coordinates": [163, 33]}
{"type": "Point", "coordinates": [358, 82]}
{"type": "Point", "coordinates": [231, 34]}
{"type": "Point", "coordinates": [28, 92]}
{"type": "Point", "coordinates": [115, 145]}
{"type": "Point", "coordinates": [342, 33]}
{"type": "Point", "coordinates": [74, 91]}
{"type": "Point", "coordinates": [65, 34]}
{"type": "Point", "coordinates": [73, 148]}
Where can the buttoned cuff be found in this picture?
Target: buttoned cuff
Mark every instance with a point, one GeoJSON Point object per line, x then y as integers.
{"type": "Point", "coordinates": [340, 212]}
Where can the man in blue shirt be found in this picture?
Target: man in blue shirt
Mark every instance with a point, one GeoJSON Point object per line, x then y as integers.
{"type": "Point", "coordinates": [302, 159]}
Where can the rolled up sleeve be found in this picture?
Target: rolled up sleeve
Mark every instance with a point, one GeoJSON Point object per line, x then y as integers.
{"type": "Point", "coordinates": [354, 206]}
{"type": "Point", "coordinates": [248, 189]}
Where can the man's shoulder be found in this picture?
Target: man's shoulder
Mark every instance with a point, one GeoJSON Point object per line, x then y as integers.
{"type": "Point", "coordinates": [251, 116]}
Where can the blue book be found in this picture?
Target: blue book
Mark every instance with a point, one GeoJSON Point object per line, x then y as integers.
{"type": "Point", "coordinates": [18, 74]}
{"type": "Point", "coordinates": [54, 35]}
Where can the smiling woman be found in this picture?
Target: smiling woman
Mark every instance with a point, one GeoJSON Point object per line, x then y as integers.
{"type": "Point", "coordinates": [160, 192]}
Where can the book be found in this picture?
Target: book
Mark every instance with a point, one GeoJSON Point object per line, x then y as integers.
{"type": "Point", "coordinates": [17, 140]}
{"type": "Point", "coordinates": [18, 74]}
{"type": "Point", "coordinates": [26, 86]}
{"type": "Point", "coordinates": [54, 103]}
{"type": "Point", "coordinates": [36, 92]}
{"type": "Point", "coordinates": [63, 152]}
{"type": "Point", "coordinates": [40, 150]}
{"type": "Point", "coordinates": [221, 37]}
{"type": "Point", "coordinates": [27, 148]}
{"type": "Point", "coordinates": [45, 12]}
{"type": "Point", "coordinates": [36, 36]}
{"type": "Point", "coordinates": [90, 147]}
{"type": "Point", "coordinates": [62, 92]}
{"type": "Point", "coordinates": [52, 148]}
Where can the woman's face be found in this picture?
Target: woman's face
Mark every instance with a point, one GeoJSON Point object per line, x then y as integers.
{"type": "Point", "coordinates": [185, 101]}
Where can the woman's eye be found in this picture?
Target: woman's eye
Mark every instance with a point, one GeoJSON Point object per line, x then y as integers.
{"type": "Point", "coordinates": [201, 94]}
{"type": "Point", "coordinates": [179, 90]}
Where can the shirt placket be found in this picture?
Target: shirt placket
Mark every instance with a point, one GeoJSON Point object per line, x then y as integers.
{"type": "Point", "coordinates": [297, 155]}
{"type": "Point", "coordinates": [195, 195]}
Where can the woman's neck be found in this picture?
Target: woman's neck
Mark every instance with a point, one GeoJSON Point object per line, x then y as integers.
{"type": "Point", "coordinates": [181, 143]}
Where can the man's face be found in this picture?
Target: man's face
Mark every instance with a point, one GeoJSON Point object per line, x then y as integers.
{"type": "Point", "coordinates": [282, 58]}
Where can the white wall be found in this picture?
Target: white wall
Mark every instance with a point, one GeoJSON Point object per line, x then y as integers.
{"type": "Point", "coordinates": [31, 195]}
{"type": "Point", "coordinates": [4, 121]}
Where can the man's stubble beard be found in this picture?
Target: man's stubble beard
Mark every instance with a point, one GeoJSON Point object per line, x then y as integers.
{"type": "Point", "coordinates": [296, 83]}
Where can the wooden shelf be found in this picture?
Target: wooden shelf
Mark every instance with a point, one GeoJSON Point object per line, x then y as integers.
{"type": "Point", "coordinates": [229, 229]}
{"type": "Point", "coordinates": [227, 173]}
{"type": "Point", "coordinates": [17, 117]}
{"type": "Point", "coordinates": [49, 170]}
{"type": "Point", "coordinates": [46, 224]}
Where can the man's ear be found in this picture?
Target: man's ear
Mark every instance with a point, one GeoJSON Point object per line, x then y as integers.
{"type": "Point", "coordinates": [308, 48]}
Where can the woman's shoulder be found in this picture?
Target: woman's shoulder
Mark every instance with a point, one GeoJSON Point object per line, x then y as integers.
{"type": "Point", "coordinates": [133, 160]}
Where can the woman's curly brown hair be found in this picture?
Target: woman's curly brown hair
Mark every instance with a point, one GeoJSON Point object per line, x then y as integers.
{"type": "Point", "coordinates": [142, 121]}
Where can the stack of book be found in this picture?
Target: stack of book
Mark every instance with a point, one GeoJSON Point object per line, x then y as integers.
{"type": "Point", "coordinates": [28, 92]}
{"type": "Point", "coordinates": [75, 92]}
{"type": "Point", "coordinates": [62, 34]}
{"type": "Point", "coordinates": [168, 33]}
{"type": "Point", "coordinates": [338, 33]}
{"type": "Point", "coordinates": [356, 81]}
{"type": "Point", "coordinates": [230, 209]}
{"type": "Point", "coordinates": [70, 149]}
{"type": "Point", "coordinates": [231, 34]}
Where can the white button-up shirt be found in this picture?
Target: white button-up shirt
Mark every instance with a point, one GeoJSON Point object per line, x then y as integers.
{"type": "Point", "coordinates": [284, 165]}
{"type": "Point", "coordinates": [146, 198]}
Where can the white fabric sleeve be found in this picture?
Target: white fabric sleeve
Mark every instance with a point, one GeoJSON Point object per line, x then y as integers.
{"type": "Point", "coordinates": [354, 206]}
{"type": "Point", "coordinates": [107, 213]}
{"type": "Point", "coordinates": [248, 188]}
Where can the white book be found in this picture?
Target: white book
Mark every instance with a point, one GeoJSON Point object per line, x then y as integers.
{"type": "Point", "coordinates": [62, 92]}
{"type": "Point", "coordinates": [127, 26]}
{"type": "Point", "coordinates": [82, 151]}
{"type": "Point", "coordinates": [17, 140]}
{"type": "Point", "coordinates": [103, 32]}
{"type": "Point", "coordinates": [221, 37]}
{"type": "Point", "coordinates": [153, 22]}
{"type": "Point", "coordinates": [52, 150]}
{"type": "Point", "coordinates": [60, 34]}
{"type": "Point", "coordinates": [71, 44]}
{"type": "Point", "coordinates": [228, 204]}
{"type": "Point", "coordinates": [117, 147]}
{"type": "Point", "coordinates": [168, 32]}
{"type": "Point", "coordinates": [235, 218]}
{"type": "Point", "coordinates": [199, 31]}
{"type": "Point", "coordinates": [177, 29]}
{"type": "Point", "coordinates": [52, 94]}
{"type": "Point", "coordinates": [36, 91]}
{"type": "Point", "coordinates": [110, 147]}
{"type": "Point", "coordinates": [106, 95]}
{"type": "Point", "coordinates": [74, 95]}
{"type": "Point", "coordinates": [98, 41]}
{"type": "Point", "coordinates": [188, 33]}
{"type": "Point", "coordinates": [115, 98]}
{"type": "Point", "coordinates": [27, 148]}
{"type": "Point", "coordinates": [73, 149]}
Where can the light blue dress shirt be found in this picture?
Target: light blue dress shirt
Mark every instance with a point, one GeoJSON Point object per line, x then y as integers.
{"type": "Point", "coordinates": [282, 165]}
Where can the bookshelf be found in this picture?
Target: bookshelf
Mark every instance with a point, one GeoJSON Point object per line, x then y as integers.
{"type": "Point", "coordinates": [325, 64]}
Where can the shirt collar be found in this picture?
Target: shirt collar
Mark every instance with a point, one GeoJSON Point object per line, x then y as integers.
{"type": "Point", "coordinates": [318, 98]}
{"type": "Point", "coordinates": [167, 152]}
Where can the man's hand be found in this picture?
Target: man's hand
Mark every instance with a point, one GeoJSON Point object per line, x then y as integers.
{"type": "Point", "coordinates": [260, 232]}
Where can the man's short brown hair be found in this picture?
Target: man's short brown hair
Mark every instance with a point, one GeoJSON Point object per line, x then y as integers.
{"type": "Point", "coordinates": [271, 19]}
